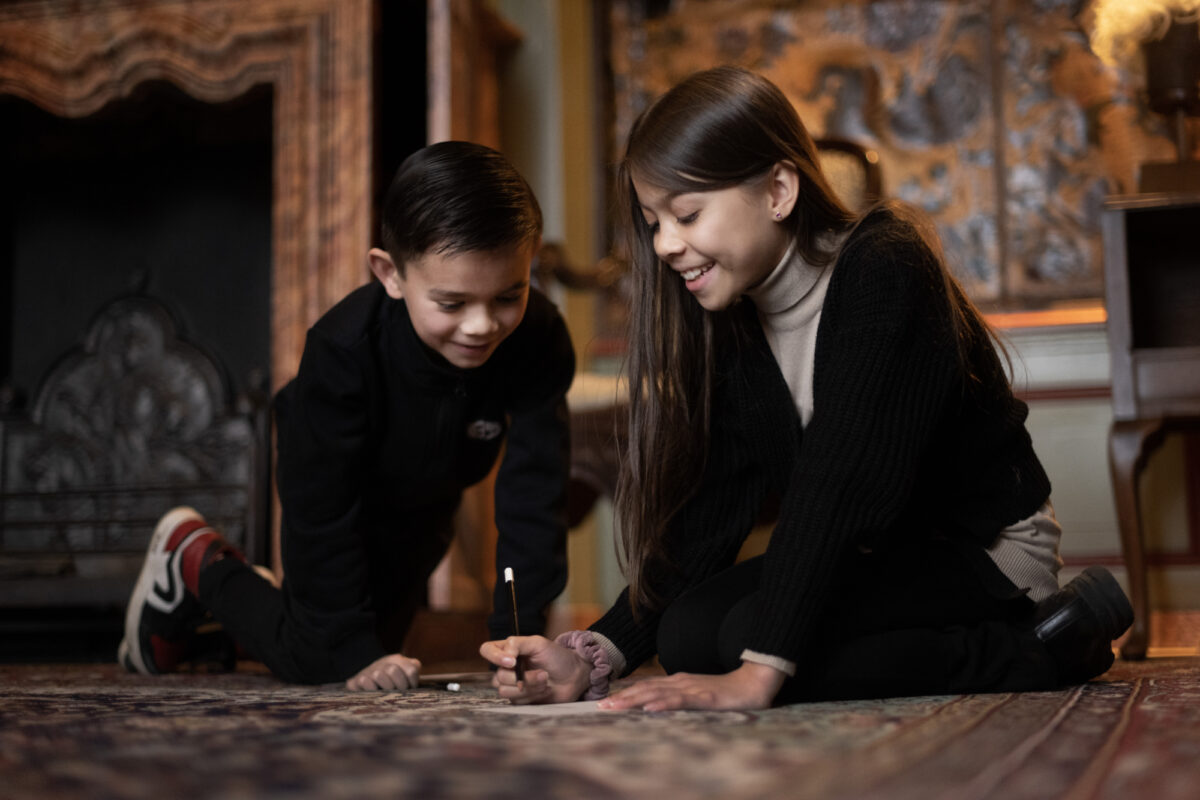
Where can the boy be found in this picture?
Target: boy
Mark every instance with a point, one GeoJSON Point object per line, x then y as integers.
{"type": "Point", "coordinates": [405, 392]}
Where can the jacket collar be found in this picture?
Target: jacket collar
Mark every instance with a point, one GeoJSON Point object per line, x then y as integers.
{"type": "Point", "coordinates": [408, 355]}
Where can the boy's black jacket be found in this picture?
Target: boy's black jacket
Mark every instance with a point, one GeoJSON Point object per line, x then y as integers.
{"type": "Point", "coordinates": [378, 436]}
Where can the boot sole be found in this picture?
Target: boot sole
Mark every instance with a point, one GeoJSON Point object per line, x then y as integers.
{"type": "Point", "coordinates": [1104, 596]}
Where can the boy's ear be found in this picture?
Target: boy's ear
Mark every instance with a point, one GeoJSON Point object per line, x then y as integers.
{"type": "Point", "coordinates": [385, 269]}
{"type": "Point", "coordinates": [783, 189]}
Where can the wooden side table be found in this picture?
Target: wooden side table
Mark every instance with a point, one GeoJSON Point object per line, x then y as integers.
{"type": "Point", "coordinates": [1152, 282]}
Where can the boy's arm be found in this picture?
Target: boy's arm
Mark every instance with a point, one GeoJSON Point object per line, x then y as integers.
{"type": "Point", "coordinates": [531, 487]}
{"type": "Point", "coordinates": [322, 439]}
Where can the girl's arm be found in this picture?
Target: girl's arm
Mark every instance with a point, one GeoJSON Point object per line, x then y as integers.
{"type": "Point", "coordinates": [750, 686]}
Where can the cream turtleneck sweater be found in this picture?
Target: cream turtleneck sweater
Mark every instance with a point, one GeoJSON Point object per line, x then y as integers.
{"type": "Point", "coordinates": [789, 304]}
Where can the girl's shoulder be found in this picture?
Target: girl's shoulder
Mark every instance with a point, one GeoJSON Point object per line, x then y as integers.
{"type": "Point", "coordinates": [890, 260]}
{"type": "Point", "coordinates": [890, 231]}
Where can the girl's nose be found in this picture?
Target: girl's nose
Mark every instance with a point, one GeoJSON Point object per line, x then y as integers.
{"type": "Point", "coordinates": [667, 243]}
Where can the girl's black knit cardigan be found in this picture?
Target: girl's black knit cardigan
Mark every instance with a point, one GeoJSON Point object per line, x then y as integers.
{"type": "Point", "coordinates": [906, 440]}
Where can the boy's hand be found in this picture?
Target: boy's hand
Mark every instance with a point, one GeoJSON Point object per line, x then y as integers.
{"type": "Point", "coordinates": [553, 674]}
{"type": "Point", "coordinates": [391, 672]}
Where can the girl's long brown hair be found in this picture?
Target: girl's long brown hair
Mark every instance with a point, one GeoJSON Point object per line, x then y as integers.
{"type": "Point", "coordinates": [717, 129]}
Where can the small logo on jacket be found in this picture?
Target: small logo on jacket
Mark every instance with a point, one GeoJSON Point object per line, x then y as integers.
{"type": "Point", "coordinates": [484, 430]}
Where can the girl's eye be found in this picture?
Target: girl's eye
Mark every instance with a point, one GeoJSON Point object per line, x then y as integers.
{"type": "Point", "coordinates": [653, 226]}
{"type": "Point", "coordinates": [689, 219]}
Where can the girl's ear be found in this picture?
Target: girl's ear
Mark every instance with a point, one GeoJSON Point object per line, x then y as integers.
{"type": "Point", "coordinates": [783, 188]}
{"type": "Point", "coordinates": [387, 273]}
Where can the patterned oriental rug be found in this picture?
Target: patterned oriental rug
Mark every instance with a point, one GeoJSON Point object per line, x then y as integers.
{"type": "Point", "coordinates": [92, 731]}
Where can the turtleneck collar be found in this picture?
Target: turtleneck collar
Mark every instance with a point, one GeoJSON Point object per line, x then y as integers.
{"type": "Point", "coordinates": [788, 283]}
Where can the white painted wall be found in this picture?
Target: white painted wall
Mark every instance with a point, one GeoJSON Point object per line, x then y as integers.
{"type": "Point", "coordinates": [1071, 439]}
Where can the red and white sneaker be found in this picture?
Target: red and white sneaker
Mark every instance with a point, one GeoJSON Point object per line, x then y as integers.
{"type": "Point", "coordinates": [164, 616]}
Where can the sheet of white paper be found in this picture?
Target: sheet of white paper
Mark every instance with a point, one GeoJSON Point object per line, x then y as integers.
{"type": "Point", "coordinates": [550, 709]}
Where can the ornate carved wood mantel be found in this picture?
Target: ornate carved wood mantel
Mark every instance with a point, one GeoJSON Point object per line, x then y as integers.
{"type": "Point", "coordinates": [71, 57]}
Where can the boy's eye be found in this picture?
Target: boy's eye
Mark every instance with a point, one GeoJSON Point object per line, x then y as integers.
{"type": "Point", "coordinates": [449, 306]}
{"type": "Point", "coordinates": [509, 298]}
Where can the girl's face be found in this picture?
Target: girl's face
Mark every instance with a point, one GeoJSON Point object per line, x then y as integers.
{"type": "Point", "coordinates": [462, 305]}
{"type": "Point", "coordinates": [719, 242]}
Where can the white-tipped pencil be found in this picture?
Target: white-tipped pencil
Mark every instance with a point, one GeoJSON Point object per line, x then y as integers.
{"type": "Point", "coordinates": [512, 594]}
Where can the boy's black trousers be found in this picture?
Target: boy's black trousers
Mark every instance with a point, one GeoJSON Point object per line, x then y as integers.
{"type": "Point", "coordinates": [254, 612]}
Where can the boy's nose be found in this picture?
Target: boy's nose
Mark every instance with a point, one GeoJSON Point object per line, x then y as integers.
{"type": "Point", "coordinates": [480, 322]}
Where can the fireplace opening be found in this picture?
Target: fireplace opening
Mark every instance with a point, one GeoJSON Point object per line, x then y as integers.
{"type": "Point", "coordinates": [157, 193]}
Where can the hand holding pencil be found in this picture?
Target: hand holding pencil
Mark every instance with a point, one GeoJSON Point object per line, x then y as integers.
{"type": "Point", "coordinates": [533, 669]}
{"type": "Point", "coordinates": [511, 580]}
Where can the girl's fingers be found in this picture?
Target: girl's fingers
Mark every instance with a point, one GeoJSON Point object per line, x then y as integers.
{"type": "Point", "coordinates": [504, 677]}
{"type": "Point", "coordinates": [519, 695]}
{"type": "Point", "coordinates": [497, 654]}
{"type": "Point", "coordinates": [656, 694]}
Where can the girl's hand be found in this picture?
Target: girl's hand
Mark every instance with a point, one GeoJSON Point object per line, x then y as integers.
{"type": "Point", "coordinates": [553, 674]}
{"type": "Point", "coordinates": [747, 687]}
{"type": "Point", "coordinates": [389, 673]}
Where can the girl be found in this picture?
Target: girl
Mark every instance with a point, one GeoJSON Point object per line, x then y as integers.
{"type": "Point", "coordinates": [782, 347]}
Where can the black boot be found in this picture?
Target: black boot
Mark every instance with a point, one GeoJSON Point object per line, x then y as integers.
{"type": "Point", "coordinates": [1078, 623]}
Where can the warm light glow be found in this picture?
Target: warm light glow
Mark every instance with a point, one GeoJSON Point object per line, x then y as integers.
{"type": "Point", "coordinates": [1120, 27]}
{"type": "Point", "coordinates": [1090, 314]}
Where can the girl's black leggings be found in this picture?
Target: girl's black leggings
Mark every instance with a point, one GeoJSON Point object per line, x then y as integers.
{"type": "Point", "coordinates": [937, 618]}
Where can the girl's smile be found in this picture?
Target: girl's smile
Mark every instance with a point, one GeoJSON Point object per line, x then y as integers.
{"type": "Point", "coordinates": [721, 242]}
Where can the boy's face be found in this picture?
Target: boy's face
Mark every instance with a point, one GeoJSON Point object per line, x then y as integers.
{"type": "Point", "coordinates": [462, 305]}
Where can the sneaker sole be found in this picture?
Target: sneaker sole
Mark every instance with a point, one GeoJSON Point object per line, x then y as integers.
{"type": "Point", "coordinates": [129, 652]}
{"type": "Point", "coordinates": [1100, 590]}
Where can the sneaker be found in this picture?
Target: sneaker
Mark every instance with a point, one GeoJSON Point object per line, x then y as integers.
{"type": "Point", "coordinates": [164, 619]}
{"type": "Point", "coordinates": [1078, 624]}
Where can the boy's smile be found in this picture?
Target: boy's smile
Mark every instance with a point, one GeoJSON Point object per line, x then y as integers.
{"type": "Point", "coordinates": [462, 305]}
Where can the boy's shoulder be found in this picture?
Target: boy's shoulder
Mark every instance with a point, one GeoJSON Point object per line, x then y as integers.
{"type": "Point", "coordinates": [541, 330]}
{"type": "Point", "coordinates": [540, 311]}
{"type": "Point", "coordinates": [353, 318]}
{"type": "Point", "coordinates": [537, 359]}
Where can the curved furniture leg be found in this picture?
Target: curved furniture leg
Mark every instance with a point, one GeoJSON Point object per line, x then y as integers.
{"type": "Point", "coordinates": [1130, 443]}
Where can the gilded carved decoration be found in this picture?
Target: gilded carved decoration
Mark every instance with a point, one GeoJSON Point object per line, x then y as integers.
{"type": "Point", "coordinates": [992, 115]}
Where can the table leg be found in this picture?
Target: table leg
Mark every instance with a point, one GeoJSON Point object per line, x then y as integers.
{"type": "Point", "coordinates": [1130, 444]}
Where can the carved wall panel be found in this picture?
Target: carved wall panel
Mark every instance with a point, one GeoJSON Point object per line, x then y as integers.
{"type": "Point", "coordinates": [992, 115]}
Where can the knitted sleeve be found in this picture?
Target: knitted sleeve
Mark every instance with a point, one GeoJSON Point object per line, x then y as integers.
{"type": "Point", "coordinates": [886, 367]}
{"type": "Point", "coordinates": [704, 537]}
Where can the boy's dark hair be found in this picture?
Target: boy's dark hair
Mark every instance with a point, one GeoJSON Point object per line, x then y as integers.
{"type": "Point", "coordinates": [457, 197]}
